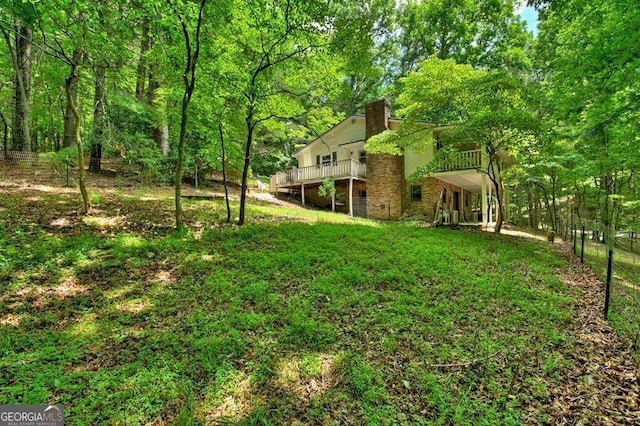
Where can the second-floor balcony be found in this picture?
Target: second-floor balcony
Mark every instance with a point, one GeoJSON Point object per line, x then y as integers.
{"type": "Point", "coordinates": [340, 169]}
{"type": "Point", "coordinates": [462, 160]}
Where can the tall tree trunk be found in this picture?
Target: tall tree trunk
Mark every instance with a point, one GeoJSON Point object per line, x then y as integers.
{"type": "Point", "coordinates": [494, 173]}
{"type": "Point", "coordinates": [22, 135]}
{"type": "Point", "coordinates": [606, 217]}
{"type": "Point", "coordinates": [160, 131]}
{"type": "Point", "coordinates": [34, 137]}
{"type": "Point", "coordinates": [161, 128]}
{"type": "Point", "coordinates": [161, 134]}
{"type": "Point", "coordinates": [20, 51]}
{"type": "Point", "coordinates": [180, 162]}
{"type": "Point", "coordinates": [70, 82]}
{"type": "Point", "coordinates": [247, 161]}
{"type": "Point", "coordinates": [554, 206]}
{"type": "Point", "coordinates": [51, 129]}
{"type": "Point", "coordinates": [98, 119]}
{"type": "Point", "coordinates": [5, 139]}
{"type": "Point", "coordinates": [189, 78]}
{"type": "Point", "coordinates": [530, 209]}
{"type": "Point", "coordinates": [141, 75]}
{"type": "Point", "coordinates": [72, 101]}
{"type": "Point", "coordinates": [224, 172]}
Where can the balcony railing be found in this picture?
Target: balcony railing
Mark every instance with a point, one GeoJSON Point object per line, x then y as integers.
{"type": "Point", "coordinates": [463, 160]}
{"type": "Point", "coordinates": [345, 168]}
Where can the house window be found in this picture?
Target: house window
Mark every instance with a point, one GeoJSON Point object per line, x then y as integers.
{"type": "Point", "coordinates": [362, 157]}
{"type": "Point", "coordinates": [438, 142]}
{"type": "Point", "coordinates": [326, 160]}
{"type": "Point", "coordinates": [416, 193]}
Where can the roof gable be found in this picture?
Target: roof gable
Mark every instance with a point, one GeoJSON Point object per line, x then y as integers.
{"type": "Point", "coordinates": [335, 129]}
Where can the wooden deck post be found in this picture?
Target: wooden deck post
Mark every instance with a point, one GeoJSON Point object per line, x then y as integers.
{"type": "Point", "coordinates": [490, 204]}
{"type": "Point", "coordinates": [484, 199]}
{"type": "Point", "coordinates": [302, 191]}
{"type": "Point", "coordinates": [351, 197]}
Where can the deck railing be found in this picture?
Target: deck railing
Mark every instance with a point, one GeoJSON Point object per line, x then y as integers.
{"type": "Point", "coordinates": [344, 168]}
{"type": "Point", "coordinates": [463, 160]}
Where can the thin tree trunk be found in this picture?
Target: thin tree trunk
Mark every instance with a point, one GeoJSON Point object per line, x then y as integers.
{"type": "Point", "coordinates": [189, 78]}
{"type": "Point", "coordinates": [180, 164]}
{"type": "Point", "coordinates": [5, 139]}
{"type": "Point", "coordinates": [24, 38]}
{"type": "Point", "coordinates": [495, 175]}
{"type": "Point", "coordinates": [245, 168]}
{"type": "Point", "coordinates": [72, 101]}
{"type": "Point", "coordinates": [607, 213]}
{"type": "Point", "coordinates": [530, 209]}
{"type": "Point", "coordinates": [20, 53]}
{"type": "Point", "coordinates": [224, 172]}
{"type": "Point", "coordinates": [34, 139]}
{"type": "Point", "coordinates": [161, 130]}
{"type": "Point", "coordinates": [145, 46]}
{"type": "Point", "coordinates": [554, 208]}
{"type": "Point", "coordinates": [70, 81]}
{"type": "Point", "coordinates": [51, 129]}
{"type": "Point", "coordinates": [538, 204]}
{"type": "Point", "coordinates": [161, 134]}
{"type": "Point", "coordinates": [95, 162]}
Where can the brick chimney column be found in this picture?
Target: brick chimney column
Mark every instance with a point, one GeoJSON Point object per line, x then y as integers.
{"type": "Point", "coordinates": [385, 173]}
{"type": "Point", "coordinates": [377, 115]}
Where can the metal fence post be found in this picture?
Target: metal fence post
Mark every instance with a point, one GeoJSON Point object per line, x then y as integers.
{"type": "Point", "coordinates": [582, 244]}
{"type": "Point", "coordinates": [607, 293]}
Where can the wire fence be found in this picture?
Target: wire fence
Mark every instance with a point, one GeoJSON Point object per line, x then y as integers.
{"type": "Point", "coordinates": [615, 256]}
{"type": "Point", "coordinates": [64, 166]}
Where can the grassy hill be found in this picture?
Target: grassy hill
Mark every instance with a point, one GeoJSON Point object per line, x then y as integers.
{"type": "Point", "coordinates": [300, 316]}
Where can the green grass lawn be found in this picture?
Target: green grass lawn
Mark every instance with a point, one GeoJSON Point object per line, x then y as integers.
{"type": "Point", "coordinates": [299, 316]}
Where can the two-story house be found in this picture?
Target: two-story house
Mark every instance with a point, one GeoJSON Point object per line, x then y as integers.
{"type": "Point", "coordinates": [378, 185]}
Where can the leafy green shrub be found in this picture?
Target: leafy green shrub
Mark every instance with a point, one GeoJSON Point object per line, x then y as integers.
{"type": "Point", "coordinates": [59, 160]}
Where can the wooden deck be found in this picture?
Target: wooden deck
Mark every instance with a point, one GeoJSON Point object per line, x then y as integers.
{"type": "Point", "coordinates": [340, 169]}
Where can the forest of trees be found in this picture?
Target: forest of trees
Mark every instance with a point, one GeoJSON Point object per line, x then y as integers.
{"type": "Point", "coordinates": [235, 86]}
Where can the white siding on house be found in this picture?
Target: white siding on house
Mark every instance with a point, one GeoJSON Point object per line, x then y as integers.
{"type": "Point", "coordinates": [353, 129]}
{"type": "Point", "coordinates": [350, 130]}
{"type": "Point", "coordinates": [413, 160]}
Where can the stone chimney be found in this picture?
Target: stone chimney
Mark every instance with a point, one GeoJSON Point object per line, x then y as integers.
{"type": "Point", "coordinates": [377, 115]}
{"type": "Point", "coordinates": [385, 173]}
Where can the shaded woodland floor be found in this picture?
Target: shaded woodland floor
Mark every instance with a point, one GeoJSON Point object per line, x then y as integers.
{"type": "Point", "coordinates": [300, 317]}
